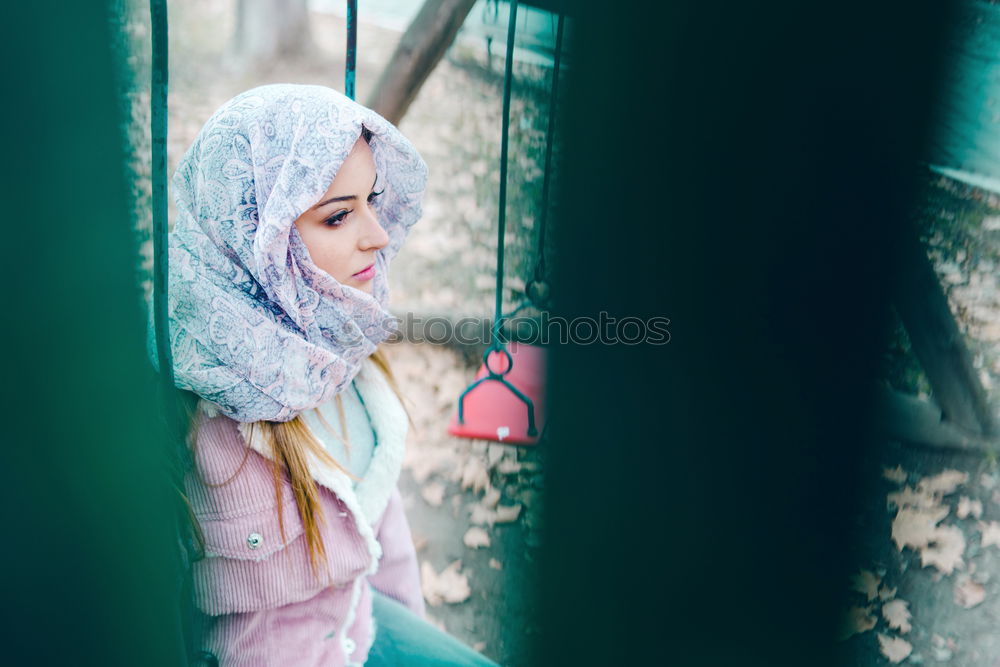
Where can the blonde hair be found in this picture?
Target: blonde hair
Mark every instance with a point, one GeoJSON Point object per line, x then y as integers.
{"type": "Point", "coordinates": [291, 442]}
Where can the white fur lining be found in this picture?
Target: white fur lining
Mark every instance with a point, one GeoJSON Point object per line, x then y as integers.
{"type": "Point", "coordinates": [369, 498]}
{"type": "Point", "coordinates": [346, 642]}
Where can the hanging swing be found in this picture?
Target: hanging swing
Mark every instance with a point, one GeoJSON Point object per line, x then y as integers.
{"type": "Point", "coordinates": [506, 400]}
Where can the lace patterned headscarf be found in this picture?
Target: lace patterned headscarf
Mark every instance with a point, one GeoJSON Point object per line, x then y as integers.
{"type": "Point", "coordinates": [255, 326]}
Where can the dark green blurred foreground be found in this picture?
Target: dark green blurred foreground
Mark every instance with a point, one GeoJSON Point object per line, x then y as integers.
{"type": "Point", "coordinates": [89, 566]}
{"type": "Point", "coordinates": [742, 171]}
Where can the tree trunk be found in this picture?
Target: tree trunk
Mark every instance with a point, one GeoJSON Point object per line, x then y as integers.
{"type": "Point", "coordinates": [267, 30]}
{"type": "Point", "coordinates": [421, 47]}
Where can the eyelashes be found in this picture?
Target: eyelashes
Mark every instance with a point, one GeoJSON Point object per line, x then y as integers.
{"type": "Point", "coordinates": [337, 219]}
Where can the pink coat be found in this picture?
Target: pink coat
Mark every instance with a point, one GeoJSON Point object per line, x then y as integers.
{"type": "Point", "coordinates": [267, 606]}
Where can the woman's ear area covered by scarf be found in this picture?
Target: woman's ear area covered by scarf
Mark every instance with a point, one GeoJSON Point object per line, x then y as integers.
{"type": "Point", "coordinates": [256, 326]}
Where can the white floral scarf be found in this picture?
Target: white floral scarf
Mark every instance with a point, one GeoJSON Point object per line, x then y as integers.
{"type": "Point", "coordinates": [255, 326]}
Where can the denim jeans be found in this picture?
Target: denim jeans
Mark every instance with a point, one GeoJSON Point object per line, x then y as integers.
{"type": "Point", "coordinates": [403, 638]}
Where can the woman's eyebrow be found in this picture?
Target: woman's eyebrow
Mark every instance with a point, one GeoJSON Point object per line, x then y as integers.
{"type": "Point", "coordinates": [333, 199]}
{"type": "Point", "coordinates": [344, 197]}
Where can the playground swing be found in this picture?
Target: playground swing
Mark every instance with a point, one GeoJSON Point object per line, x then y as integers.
{"type": "Point", "coordinates": [505, 401]}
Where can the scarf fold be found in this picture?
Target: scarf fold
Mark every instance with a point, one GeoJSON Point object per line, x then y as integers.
{"type": "Point", "coordinates": [255, 326]}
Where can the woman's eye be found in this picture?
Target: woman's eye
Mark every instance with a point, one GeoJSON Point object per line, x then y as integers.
{"type": "Point", "coordinates": [372, 196]}
{"type": "Point", "coordinates": [336, 219]}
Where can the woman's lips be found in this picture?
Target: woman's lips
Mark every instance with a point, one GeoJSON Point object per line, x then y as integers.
{"type": "Point", "coordinates": [365, 274]}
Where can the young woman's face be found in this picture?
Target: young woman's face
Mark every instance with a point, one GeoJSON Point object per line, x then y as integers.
{"type": "Point", "coordinates": [341, 231]}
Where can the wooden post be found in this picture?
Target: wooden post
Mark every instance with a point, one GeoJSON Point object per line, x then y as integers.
{"type": "Point", "coordinates": [919, 421]}
{"type": "Point", "coordinates": [938, 343]}
{"type": "Point", "coordinates": [421, 47]}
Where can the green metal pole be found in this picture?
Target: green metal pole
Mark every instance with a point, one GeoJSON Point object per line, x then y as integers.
{"type": "Point", "coordinates": [502, 226]}
{"type": "Point", "coordinates": [158, 101]}
{"type": "Point", "coordinates": [352, 48]}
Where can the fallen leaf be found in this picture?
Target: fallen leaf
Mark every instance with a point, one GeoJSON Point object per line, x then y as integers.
{"type": "Point", "coordinates": [915, 527]}
{"type": "Point", "coordinates": [886, 593]}
{"type": "Point", "coordinates": [433, 493]}
{"type": "Point", "coordinates": [968, 593]}
{"type": "Point", "coordinates": [490, 498]}
{"type": "Point", "coordinates": [969, 507]}
{"type": "Point", "coordinates": [990, 532]}
{"type": "Point", "coordinates": [449, 586]}
{"type": "Point", "coordinates": [495, 454]}
{"type": "Point", "coordinates": [495, 564]}
{"type": "Point", "coordinates": [508, 467]}
{"type": "Point", "coordinates": [907, 497]}
{"type": "Point", "coordinates": [946, 549]}
{"type": "Point", "coordinates": [475, 475]}
{"type": "Point", "coordinates": [483, 516]}
{"type": "Point", "coordinates": [897, 615]}
{"type": "Point", "coordinates": [895, 649]}
{"type": "Point", "coordinates": [507, 513]}
{"type": "Point", "coordinates": [856, 621]}
{"type": "Point", "coordinates": [866, 583]}
{"type": "Point", "coordinates": [943, 483]}
{"type": "Point", "coordinates": [897, 474]}
{"type": "Point", "coordinates": [476, 537]}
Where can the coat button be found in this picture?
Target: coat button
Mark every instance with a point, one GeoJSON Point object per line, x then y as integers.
{"type": "Point", "coordinates": [254, 540]}
{"type": "Point", "coordinates": [349, 645]}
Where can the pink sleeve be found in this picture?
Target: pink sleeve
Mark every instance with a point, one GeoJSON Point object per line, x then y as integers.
{"type": "Point", "coordinates": [398, 574]}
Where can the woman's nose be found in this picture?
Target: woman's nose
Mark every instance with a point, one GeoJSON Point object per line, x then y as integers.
{"type": "Point", "coordinates": [373, 236]}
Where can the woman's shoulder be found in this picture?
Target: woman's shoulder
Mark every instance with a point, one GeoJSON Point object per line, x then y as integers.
{"type": "Point", "coordinates": [228, 477]}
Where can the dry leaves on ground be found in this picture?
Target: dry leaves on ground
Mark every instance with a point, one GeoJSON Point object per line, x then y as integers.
{"type": "Point", "coordinates": [897, 614]}
{"type": "Point", "coordinates": [897, 474]}
{"type": "Point", "coordinates": [490, 498]}
{"type": "Point", "coordinates": [968, 593]}
{"type": "Point", "coordinates": [907, 497]}
{"type": "Point", "coordinates": [895, 649]}
{"type": "Point", "coordinates": [433, 493]}
{"type": "Point", "coordinates": [856, 621]}
{"type": "Point", "coordinates": [475, 475]}
{"type": "Point", "coordinates": [866, 582]}
{"type": "Point", "coordinates": [916, 527]}
{"type": "Point", "coordinates": [946, 549]}
{"type": "Point", "coordinates": [476, 537]}
{"type": "Point", "coordinates": [943, 483]}
{"type": "Point", "coordinates": [482, 516]}
{"type": "Point", "coordinates": [449, 586]}
{"type": "Point", "coordinates": [990, 533]}
{"type": "Point", "coordinates": [507, 513]}
{"type": "Point", "coordinates": [969, 507]}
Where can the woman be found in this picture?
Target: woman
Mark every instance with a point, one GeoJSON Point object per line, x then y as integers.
{"type": "Point", "coordinates": [291, 203]}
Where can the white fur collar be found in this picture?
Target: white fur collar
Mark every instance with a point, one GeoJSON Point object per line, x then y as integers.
{"type": "Point", "coordinates": [369, 498]}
